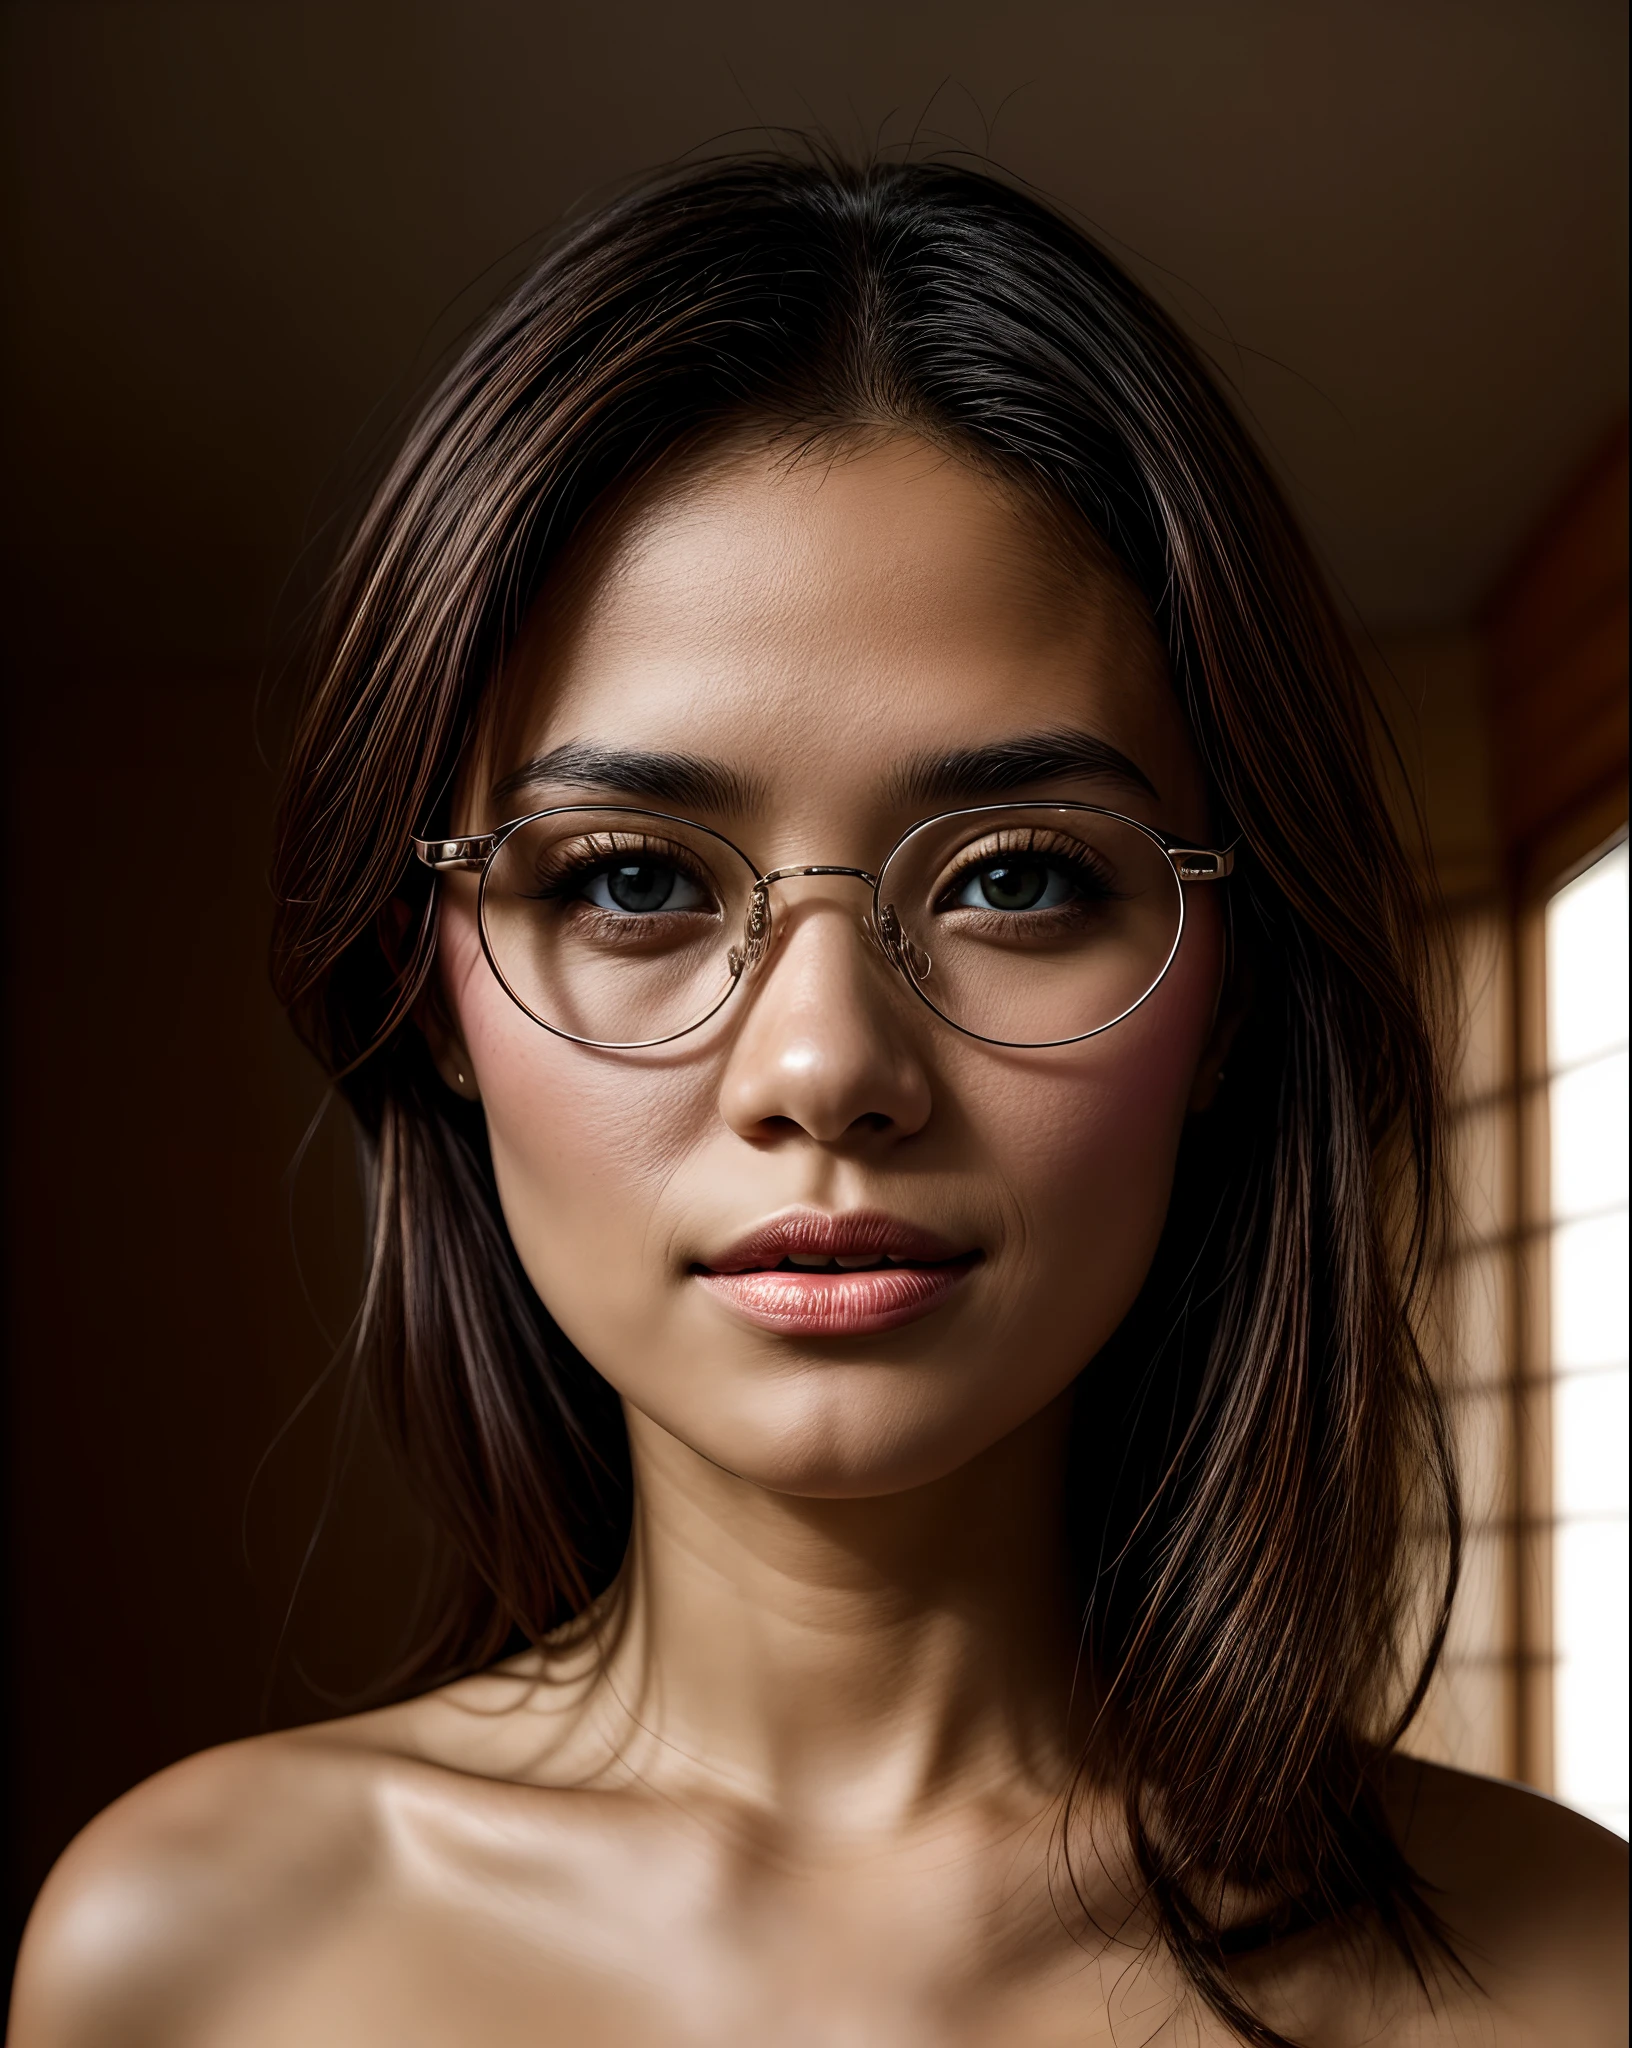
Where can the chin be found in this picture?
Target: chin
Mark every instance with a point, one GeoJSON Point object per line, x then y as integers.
{"type": "Point", "coordinates": [855, 1432]}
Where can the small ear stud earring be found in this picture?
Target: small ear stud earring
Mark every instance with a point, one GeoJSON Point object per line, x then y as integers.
{"type": "Point", "coordinates": [459, 1076]}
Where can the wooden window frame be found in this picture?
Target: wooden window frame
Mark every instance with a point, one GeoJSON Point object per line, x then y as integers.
{"type": "Point", "coordinates": [1555, 636]}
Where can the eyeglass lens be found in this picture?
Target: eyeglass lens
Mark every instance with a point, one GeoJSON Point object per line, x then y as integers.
{"type": "Point", "coordinates": [1026, 924]}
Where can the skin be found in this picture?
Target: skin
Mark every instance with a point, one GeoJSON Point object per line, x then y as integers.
{"type": "Point", "coordinates": [810, 1793]}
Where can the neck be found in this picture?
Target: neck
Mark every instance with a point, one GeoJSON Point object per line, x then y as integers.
{"type": "Point", "coordinates": [851, 1665]}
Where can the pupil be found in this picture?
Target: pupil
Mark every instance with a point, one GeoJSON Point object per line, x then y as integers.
{"type": "Point", "coordinates": [1014, 885]}
{"type": "Point", "coordinates": [640, 886]}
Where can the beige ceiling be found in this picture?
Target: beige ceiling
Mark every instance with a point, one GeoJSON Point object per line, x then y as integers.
{"type": "Point", "coordinates": [237, 228]}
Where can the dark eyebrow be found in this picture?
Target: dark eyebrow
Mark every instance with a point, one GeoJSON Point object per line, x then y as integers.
{"type": "Point", "coordinates": [969, 775]}
{"type": "Point", "coordinates": [685, 780]}
{"type": "Point", "coordinates": [972, 774]}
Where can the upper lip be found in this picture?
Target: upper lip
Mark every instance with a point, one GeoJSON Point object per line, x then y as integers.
{"type": "Point", "coordinates": [809, 1233]}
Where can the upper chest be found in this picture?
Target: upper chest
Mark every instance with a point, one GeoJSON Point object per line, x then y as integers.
{"type": "Point", "coordinates": [588, 1921]}
{"type": "Point", "coordinates": [568, 1923]}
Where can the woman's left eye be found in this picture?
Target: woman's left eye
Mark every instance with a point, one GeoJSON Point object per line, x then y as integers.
{"type": "Point", "coordinates": [1022, 882]}
{"type": "Point", "coordinates": [641, 887]}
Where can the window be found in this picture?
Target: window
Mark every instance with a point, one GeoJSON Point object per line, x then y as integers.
{"type": "Point", "coordinates": [1514, 737]}
{"type": "Point", "coordinates": [1586, 1010]}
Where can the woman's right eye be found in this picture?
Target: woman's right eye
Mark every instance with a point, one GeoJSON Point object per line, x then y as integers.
{"type": "Point", "coordinates": [642, 887]}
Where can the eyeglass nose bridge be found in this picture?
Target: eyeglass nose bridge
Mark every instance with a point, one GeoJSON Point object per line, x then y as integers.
{"type": "Point", "coordinates": [787, 874]}
{"type": "Point", "coordinates": [884, 931]}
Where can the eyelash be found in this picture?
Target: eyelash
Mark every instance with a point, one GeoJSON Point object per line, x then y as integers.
{"type": "Point", "coordinates": [1071, 855]}
{"type": "Point", "coordinates": [566, 874]}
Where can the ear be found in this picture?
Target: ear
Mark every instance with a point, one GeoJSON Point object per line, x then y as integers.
{"type": "Point", "coordinates": [447, 1048]}
{"type": "Point", "coordinates": [1234, 1002]}
{"type": "Point", "coordinates": [430, 1014]}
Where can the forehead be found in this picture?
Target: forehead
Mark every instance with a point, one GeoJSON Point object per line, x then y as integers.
{"type": "Point", "coordinates": [813, 624]}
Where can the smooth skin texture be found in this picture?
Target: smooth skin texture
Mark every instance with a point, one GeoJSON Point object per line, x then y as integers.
{"type": "Point", "coordinates": [810, 1795]}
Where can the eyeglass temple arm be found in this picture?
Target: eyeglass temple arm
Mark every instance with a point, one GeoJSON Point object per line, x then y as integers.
{"type": "Point", "coordinates": [448, 856]}
{"type": "Point", "coordinates": [1202, 863]}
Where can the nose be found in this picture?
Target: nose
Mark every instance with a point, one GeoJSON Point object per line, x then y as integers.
{"type": "Point", "coordinates": [823, 1047]}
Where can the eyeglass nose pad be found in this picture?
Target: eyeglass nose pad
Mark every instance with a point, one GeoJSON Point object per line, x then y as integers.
{"type": "Point", "coordinates": [756, 933]}
{"type": "Point", "coordinates": [898, 947]}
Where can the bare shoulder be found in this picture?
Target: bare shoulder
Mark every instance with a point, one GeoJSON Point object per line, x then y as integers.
{"type": "Point", "coordinates": [1534, 1895]}
{"type": "Point", "coordinates": [177, 1896]}
{"type": "Point", "coordinates": [234, 1866]}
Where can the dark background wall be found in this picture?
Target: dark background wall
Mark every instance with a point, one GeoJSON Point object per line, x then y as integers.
{"type": "Point", "coordinates": [236, 233]}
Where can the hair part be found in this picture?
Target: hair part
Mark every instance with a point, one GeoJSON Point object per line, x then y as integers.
{"type": "Point", "coordinates": [1248, 1509]}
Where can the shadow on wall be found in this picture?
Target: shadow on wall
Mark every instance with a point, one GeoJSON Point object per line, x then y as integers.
{"type": "Point", "coordinates": [1514, 731]}
{"type": "Point", "coordinates": [163, 1329]}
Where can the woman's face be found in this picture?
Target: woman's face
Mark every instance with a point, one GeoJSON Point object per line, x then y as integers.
{"type": "Point", "coordinates": [821, 635]}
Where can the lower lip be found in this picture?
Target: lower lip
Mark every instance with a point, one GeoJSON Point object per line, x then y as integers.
{"type": "Point", "coordinates": [837, 1304]}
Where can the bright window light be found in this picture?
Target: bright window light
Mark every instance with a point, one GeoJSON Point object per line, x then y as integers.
{"type": "Point", "coordinates": [1587, 1113]}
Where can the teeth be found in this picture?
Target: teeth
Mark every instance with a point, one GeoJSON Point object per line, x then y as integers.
{"type": "Point", "coordinates": [811, 1261]}
{"type": "Point", "coordinates": [857, 1260]}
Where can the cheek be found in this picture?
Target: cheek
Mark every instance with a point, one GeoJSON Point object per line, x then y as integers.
{"type": "Point", "coordinates": [583, 1143]}
{"type": "Point", "coordinates": [1083, 1146]}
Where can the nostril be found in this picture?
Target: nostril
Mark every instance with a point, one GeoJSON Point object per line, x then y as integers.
{"type": "Point", "coordinates": [780, 1124]}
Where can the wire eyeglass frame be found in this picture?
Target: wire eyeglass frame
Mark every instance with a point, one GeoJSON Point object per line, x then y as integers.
{"type": "Point", "coordinates": [474, 853]}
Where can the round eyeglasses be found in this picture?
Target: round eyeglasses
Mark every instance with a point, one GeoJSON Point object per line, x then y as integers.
{"type": "Point", "coordinates": [1018, 924]}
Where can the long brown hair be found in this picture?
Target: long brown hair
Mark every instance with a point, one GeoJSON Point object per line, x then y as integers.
{"type": "Point", "coordinates": [1264, 1459]}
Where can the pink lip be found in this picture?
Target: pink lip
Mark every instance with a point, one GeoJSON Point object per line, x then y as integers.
{"type": "Point", "coordinates": [750, 1277]}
